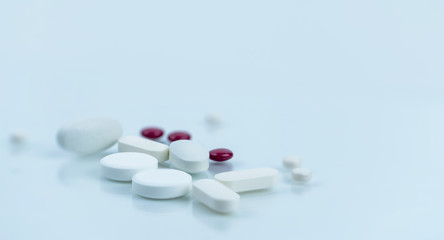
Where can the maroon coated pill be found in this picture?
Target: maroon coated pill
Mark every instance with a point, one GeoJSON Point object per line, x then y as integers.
{"type": "Point", "coordinates": [152, 132]}
{"type": "Point", "coordinates": [179, 135]}
{"type": "Point", "coordinates": [221, 154]}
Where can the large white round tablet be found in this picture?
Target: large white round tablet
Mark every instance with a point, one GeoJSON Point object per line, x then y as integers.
{"type": "Point", "coordinates": [161, 183]}
{"type": "Point", "coordinates": [90, 135]}
{"type": "Point", "coordinates": [123, 166]}
{"type": "Point", "coordinates": [189, 156]}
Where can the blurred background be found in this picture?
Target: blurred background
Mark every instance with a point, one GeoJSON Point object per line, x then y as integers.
{"type": "Point", "coordinates": [353, 87]}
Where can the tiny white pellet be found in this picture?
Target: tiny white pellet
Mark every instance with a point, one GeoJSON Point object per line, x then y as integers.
{"type": "Point", "coordinates": [18, 137]}
{"type": "Point", "coordinates": [161, 183]}
{"type": "Point", "coordinates": [250, 179]}
{"type": "Point", "coordinates": [90, 135]}
{"type": "Point", "coordinates": [214, 118]}
{"type": "Point", "coordinates": [123, 166]}
{"type": "Point", "coordinates": [292, 162]}
{"type": "Point", "coordinates": [215, 195]}
{"type": "Point", "coordinates": [301, 174]}
{"type": "Point", "coordinates": [143, 145]}
{"type": "Point", "coordinates": [189, 156]}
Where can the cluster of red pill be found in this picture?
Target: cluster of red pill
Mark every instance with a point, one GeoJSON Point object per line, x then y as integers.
{"type": "Point", "coordinates": [154, 133]}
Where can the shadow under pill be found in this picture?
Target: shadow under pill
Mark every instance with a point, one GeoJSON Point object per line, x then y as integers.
{"type": "Point", "coordinates": [215, 220]}
{"type": "Point", "coordinates": [218, 167]}
{"type": "Point", "coordinates": [160, 205]}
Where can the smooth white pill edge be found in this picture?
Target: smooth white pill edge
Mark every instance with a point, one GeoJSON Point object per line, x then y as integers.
{"type": "Point", "coordinates": [138, 144]}
{"type": "Point", "coordinates": [301, 174]}
{"type": "Point", "coordinates": [249, 179]}
{"type": "Point", "coordinates": [292, 162]}
{"type": "Point", "coordinates": [216, 196]}
{"type": "Point", "coordinates": [161, 183]}
{"type": "Point", "coordinates": [124, 165]}
{"type": "Point", "coordinates": [189, 156]}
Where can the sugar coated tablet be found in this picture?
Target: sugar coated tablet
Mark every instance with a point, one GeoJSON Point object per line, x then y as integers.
{"type": "Point", "coordinates": [123, 166]}
{"type": "Point", "coordinates": [249, 179]}
{"type": "Point", "coordinates": [143, 145]}
{"type": "Point", "coordinates": [301, 174]}
{"type": "Point", "coordinates": [189, 156]}
{"type": "Point", "coordinates": [215, 195]}
{"type": "Point", "coordinates": [161, 183]}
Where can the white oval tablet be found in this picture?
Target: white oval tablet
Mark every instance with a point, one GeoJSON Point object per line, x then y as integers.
{"type": "Point", "coordinates": [248, 180]}
{"type": "Point", "coordinates": [123, 166]}
{"type": "Point", "coordinates": [189, 156]}
{"type": "Point", "coordinates": [292, 162]}
{"type": "Point", "coordinates": [215, 195]}
{"type": "Point", "coordinates": [161, 183]}
{"type": "Point", "coordinates": [301, 174]}
{"type": "Point", "coordinates": [143, 145]}
{"type": "Point", "coordinates": [90, 135]}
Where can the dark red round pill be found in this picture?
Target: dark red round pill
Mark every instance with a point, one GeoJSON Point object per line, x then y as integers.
{"type": "Point", "coordinates": [221, 154]}
{"type": "Point", "coordinates": [179, 135]}
{"type": "Point", "coordinates": [152, 132]}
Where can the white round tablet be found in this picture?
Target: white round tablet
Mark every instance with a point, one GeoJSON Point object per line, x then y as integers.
{"type": "Point", "coordinates": [292, 162]}
{"type": "Point", "coordinates": [161, 183]}
{"type": "Point", "coordinates": [301, 174]}
{"type": "Point", "coordinates": [189, 156]}
{"type": "Point", "coordinates": [124, 165]}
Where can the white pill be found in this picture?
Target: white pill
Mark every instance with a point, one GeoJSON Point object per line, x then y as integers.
{"type": "Point", "coordinates": [214, 118]}
{"type": "Point", "coordinates": [189, 156]}
{"type": "Point", "coordinates": [292, 162]}
{"type": "Point", "coordinates": [215, 195]}
{"type": "Point", "coordinates": [161, 183]}
{"type": "Point", "coordinates": [248, 180]}
{"type": "Point", "coordinates": [89, 136]}
{"type": "Point", "coordinates": [301, 174]}
{"type": "Point", "coordinates": [143, 145]}
{"type": "Point", "coordinates": [123, 166]}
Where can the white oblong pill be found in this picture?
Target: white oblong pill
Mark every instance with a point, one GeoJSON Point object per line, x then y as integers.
{"type": "Point", "coordinates": [88, 136]}
{"type": "Point", "coordinates": [123, 166]}
{"type": "Point", "coordinates": [301, 174]}
{"type": "Point", "coordinates": [143, 145]}
{"type": "Point", "coordinates": [248, 180]}
{"type": "Point", "coordinates": [292, 162]}
{"type": "Point", "coordinates": [215, 195]}
{"type": "Point", "coordinates": [161, 183]}
{"type": "Point", "coordinates": [189, 156]}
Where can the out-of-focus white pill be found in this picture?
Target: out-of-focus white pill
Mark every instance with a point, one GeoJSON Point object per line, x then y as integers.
{"type": "Point", "coordinates": [292, 162]}
{"type": "Point", "coordinates": [215, 195]}
{"type": "Point", "coordinates": [214, 118]}
{"type": "Point", "coordinates": [90, 135]}
{"type": "Point", "coordinates": [123, 166]}
{"type": "Point", "coordinates": [189, 156]}
{"type": "Point", "coordinates": [301, 174]}
{"type": "Point", "coordinates": [143, 145]}
{"type": "Point", "coordinates": [161, 183]}
{"type": "Point", "coordinates": [248, 180]}
{"type": "Point", "coordinates": [18, 137]}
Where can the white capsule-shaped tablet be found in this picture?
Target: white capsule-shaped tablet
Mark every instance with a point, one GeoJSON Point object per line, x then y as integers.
{"type": "Point", "coordinates": [215, 195]}
{"type": "Point", "coordinates": [161, 183]}
{"type": "Point", "coordinates": [189, 156]}
{"type": "Point", "coordinates": [301, 174]}
{"type": "Point", "coordinates": [143, 145]}
{"type": "Point", "coordinates": [292, 162]}
{"type": "Point", "coordinates": [123, 166]}
{"type": "Point", "coordinates": [248, 180]}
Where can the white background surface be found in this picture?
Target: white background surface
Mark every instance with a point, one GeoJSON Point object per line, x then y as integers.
{"type": "Point", "coordinates": [354, 88]}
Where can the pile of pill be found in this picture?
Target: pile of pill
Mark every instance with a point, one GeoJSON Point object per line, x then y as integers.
{"type": "Point", "coordinates": [138, 158]}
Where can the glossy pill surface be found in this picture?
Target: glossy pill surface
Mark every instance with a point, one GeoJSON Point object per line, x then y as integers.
{"type": "Point", "coordinates": [124, 165]}
{"type": "Point", "coordinates": [215, 195]}
{"type": "Point", "coordinates": [152, 132]}
{"type": "Point", "coordinates": [189, 156]}
{"type": "Point", "coordinates": [292, 162]}
{"type": "Point", "coordinates": [301, 174]}
{"type": "Point", "coordinates": [143, 145]}
{"type": "Point", "coordinates": [249, 179]}
{"type": "Point", "coordinates": [179, 135]}
{"type": "Point", "coordinates": [221, 154]}
{"type": "Point", "coordinates": [161, 183]}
